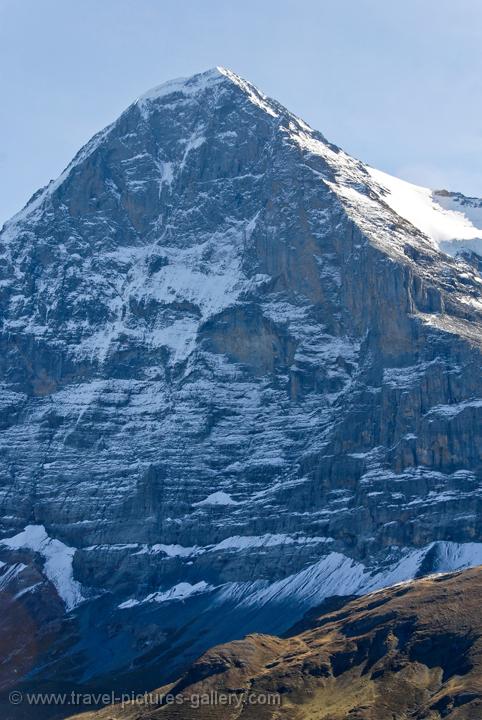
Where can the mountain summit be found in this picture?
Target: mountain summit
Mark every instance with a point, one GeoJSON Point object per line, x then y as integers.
{"type": "Point", "coordinates": [240, 373]}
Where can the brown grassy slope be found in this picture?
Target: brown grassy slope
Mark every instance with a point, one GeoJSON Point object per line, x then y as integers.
{"type": "Point", "coordinates": [413, 651]}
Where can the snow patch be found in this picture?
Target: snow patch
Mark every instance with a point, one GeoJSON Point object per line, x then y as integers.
{"type": "Point", "coordinates": [451, 411]}
{"type": "Point", "coordinates": [216, 498]}
{"type": "Point", "coordinates": [336, 574]}
{"type": "Point", "coordinates": [166, 174]}
{"type": "Point", "coordinates": [169, 550]}
{"type": "Point", "coordinates": [58, 561]}
{"type": "Point", "coordinates": [244, 542]}
{"type": "Point", "coordinates": [450, 227]}
{"type": "Point", "coordinates": [178, 592]}
{"type": "Point", "coordinates": [457, 556]}
{"type": "Point", "coordinates": [9, 573]}
{"type": "Point", "coordinates": [207, 277]}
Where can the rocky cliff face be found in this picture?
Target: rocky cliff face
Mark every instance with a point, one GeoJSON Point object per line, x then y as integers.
{"type": "Point", "coordinates": [240, 373]}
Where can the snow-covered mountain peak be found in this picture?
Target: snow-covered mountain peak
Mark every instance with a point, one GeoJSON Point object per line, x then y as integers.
{"type": "Point", "coordinates": [126, 199]}
{"type": "Point", "coordinates": [235, 368]}
{"type": "Point", "coordinates": [187, 86]}
{"type": "Point", "coordinates": [451, 222]}
{"type": "Point", "coordinates": [191, 88]}
{"type": "Point", "coordinates": [213, 89]}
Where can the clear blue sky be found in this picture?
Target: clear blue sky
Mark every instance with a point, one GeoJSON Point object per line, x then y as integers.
{"type": "Point", "coordinates": [396, 83]}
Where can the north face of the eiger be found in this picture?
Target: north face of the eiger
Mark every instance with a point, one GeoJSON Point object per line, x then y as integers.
{"type": "Point", "coordinates": [240, 372]}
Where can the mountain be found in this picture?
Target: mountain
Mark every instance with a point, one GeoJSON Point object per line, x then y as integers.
{"type": "Point", "coordinates": [411, 651]}
{"type": "Point", "coordinates": [240, 373]}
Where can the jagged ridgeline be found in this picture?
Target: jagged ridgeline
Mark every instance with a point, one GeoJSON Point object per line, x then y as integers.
{"type": "Point", "coordinates": [240, 373]}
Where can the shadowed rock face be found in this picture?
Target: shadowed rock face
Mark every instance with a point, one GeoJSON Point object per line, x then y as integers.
{"type": "Point", "coordinates": [411, 651]}
{"type": "Point", "coordinates": [233, 382]}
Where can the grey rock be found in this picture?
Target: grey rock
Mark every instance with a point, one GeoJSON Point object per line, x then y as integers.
{"type": "Point", "coordinates": [224, 358]}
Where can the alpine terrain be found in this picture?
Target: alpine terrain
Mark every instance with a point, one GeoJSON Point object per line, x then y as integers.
{"type": "Point", "coordinates": [412, 651]}
{"type": "Point", "coordinates": [240, 373]}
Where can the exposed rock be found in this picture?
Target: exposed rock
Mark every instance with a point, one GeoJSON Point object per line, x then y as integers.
{"type": "Point", "coordinates": [214, 300]}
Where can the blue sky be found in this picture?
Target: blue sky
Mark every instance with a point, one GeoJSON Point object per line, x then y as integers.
{"type": "Point", "coordinates": [397, 84]}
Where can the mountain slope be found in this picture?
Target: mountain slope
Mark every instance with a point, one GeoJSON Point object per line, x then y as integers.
{"type": "Point", "coordinates": [412, 651]}
{"type": "Point", "coordinates": [235, 380]}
